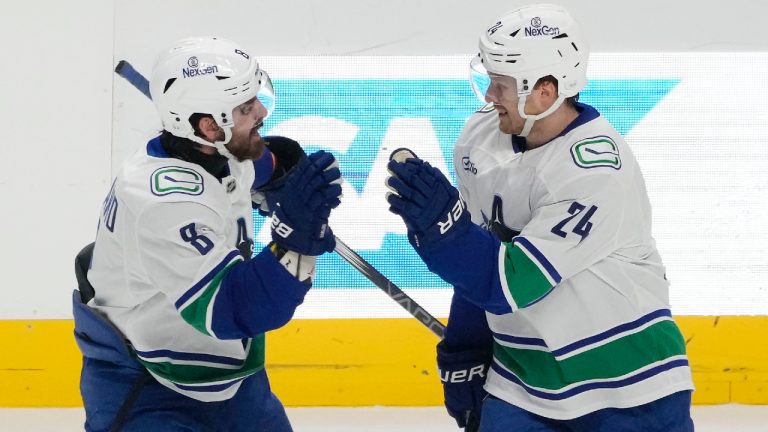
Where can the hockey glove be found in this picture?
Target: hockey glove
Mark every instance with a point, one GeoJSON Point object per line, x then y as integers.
{"type": "Point", "coordinates": [429, 205]}
{"type": "Point", "coordinates": [463, 375]}
{"type": "Point", "coordinates": [303, 205]}
{"type": "Point", "coordinates": [282, 155]}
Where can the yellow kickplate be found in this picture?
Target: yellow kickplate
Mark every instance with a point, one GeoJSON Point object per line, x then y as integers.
{"type": "Point", "coordinates": [363, 362]}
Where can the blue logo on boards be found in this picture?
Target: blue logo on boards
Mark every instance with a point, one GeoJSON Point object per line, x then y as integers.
{"type": "Point", "coordinates": [373, 105]}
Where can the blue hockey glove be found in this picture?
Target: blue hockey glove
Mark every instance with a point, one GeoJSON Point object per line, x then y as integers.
{"type": "Point", "coordinates": [463, 374]}
{"type": "Point", "coordinates": [303, 205]}
{"type": "Point", "coordinates": [429, 205]}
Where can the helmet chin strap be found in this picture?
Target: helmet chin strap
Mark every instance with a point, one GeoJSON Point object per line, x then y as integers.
{"type": "Point", "coordinates": [218, 145]}
{"type": "Point", "coordinates": [529, 119]}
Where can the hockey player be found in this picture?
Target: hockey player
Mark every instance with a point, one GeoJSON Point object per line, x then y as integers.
{"type": "Point", "coordinates": [558, 285]}
{"type": "Point", "coordinates": [172, 306]}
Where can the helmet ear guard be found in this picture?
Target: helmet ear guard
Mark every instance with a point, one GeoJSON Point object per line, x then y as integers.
{"type": "Point", "coordinates": [206, 75]}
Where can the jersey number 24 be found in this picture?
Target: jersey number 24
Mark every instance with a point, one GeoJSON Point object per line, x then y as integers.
{"type": "Point", "coordinates": [582, 227]}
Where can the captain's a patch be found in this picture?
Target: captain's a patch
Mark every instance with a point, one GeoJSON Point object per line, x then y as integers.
{"type": "Point", "coordinates": [596, 152]}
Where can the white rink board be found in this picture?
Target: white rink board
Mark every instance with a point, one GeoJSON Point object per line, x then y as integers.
{"type": "Point", "coordinates": [61, 157]}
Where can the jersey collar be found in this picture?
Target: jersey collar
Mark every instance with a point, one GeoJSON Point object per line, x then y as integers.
{"type": "Point", "coordinates": [155, 148]}
{"type": "Point", "coordinates": [168, 146]}
{"type": "Point", "coordinates": [586, 115]}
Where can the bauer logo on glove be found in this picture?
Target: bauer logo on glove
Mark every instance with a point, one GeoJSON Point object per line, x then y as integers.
{"type": "Point", "coordinates": [462, 375]}
{"type": "Point", "coordinates": [280, 228]}
{"type": "Point", "coordinates": [452, 216]}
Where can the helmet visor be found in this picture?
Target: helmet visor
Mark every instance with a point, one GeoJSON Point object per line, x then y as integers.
{"type": "Point", "coordinates": [479, 78]}
{"type": "Point", "coordinates": [266, 93]}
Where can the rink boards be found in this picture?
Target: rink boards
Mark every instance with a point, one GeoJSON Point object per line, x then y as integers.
{"type": "Point", "coordinates": [704, 161]}
{"type": "Point", "coordinates": [362, 362]}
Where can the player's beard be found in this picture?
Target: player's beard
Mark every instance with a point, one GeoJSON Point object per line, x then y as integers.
{"type": "Point", "coordinates": [249, 147]}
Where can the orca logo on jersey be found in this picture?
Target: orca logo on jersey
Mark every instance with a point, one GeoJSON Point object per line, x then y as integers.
{"type": "Point", "coordinates": [595, 152]}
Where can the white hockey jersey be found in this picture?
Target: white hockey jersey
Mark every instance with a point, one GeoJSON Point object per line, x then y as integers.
{"type": "Point", "coordinates": [591, 326]}
{"type": "Point", "coordinates": [168, 233]}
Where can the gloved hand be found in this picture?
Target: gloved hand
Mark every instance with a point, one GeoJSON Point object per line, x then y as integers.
{"type": "Point", "coordinates": [463, 373]}
{"type": "Point", "coordinates": [288, 154]}
{"type": "Point", "coordinates": [429, 205]}
{"type": "Point", "coordinates": [303, 204]}
{"type": "Point", "coordinates": [281, 157]}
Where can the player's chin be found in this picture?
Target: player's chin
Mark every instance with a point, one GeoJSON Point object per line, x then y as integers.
{"type": "Point", "coordinates": [505, 124]}
{"type": "Point", "coordinates": [256, 146]}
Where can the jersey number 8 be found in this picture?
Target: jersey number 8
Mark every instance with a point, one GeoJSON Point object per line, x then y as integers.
{"type": "Point", "coordinates": [200, 242]}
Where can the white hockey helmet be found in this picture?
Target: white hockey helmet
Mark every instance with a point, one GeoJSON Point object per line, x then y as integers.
{"type": "Point", "coordinates": [206, 75]}
{"type": "Point", "coordinates": [528, 44]}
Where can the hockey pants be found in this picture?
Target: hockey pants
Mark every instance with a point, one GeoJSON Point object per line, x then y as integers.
{"type": "Point", "coordinates": [120, 395]}
{"type": "Point", "coordinates": [668, 414]}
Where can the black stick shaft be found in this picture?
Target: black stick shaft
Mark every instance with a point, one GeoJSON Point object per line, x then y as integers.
{"type": "Point", "coordinates": [378, 279]}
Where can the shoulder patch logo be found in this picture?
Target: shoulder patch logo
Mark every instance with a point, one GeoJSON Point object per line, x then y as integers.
{"type": "Point", "coordinates": [596, 152]}
{"type": "Point", "coordinates": [486, 108]}
{"type": "Point", "coordinates": [172, 179]}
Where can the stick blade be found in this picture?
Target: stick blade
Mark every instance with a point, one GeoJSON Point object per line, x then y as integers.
{"type": "Point", "coordinates": [127, 71]}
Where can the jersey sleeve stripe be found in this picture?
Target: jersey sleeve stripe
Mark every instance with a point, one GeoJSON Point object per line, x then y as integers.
{"type": "Point", "coordinates": [614, 360]}
{"type": "Point", "coordinates": [613, 333]}
{"type": "Point", "coordinates": [539, 258]}
{"type": "Point", "coordinates": [187, 356]}
{"type": "Point", "coordinates": [198, 312]}
{"type": "Point", "coordinates": [657, 369]}
{"type": "Point", "coordinates": [503, 278]}
{"type": "Point", "coordinates": [520, 340]}
{"type": "Point", "coordinates": [208, 387]}
{"type": "Point", "coordinates": [206, 370]}
{"type": "Point", "coordinates": [522, 277]}
{"type": "Point", "coordinates": [196, 288]}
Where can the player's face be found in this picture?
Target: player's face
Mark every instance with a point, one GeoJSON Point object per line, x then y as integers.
{"type": "Point", "coordinates": [502, 93]}
{"type": "Point", "coordinates": [246, 143]}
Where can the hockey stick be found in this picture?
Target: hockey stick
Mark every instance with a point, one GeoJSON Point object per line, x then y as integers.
{"type": "Point", "coordinates": [127, 71]}
{"type": "Point", "coordinates": [386, 285]}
